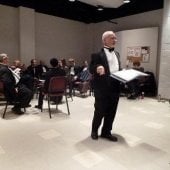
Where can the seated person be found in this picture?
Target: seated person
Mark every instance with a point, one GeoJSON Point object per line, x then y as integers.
{"type": "Point", "coordinates": [16, 67]}
{"type": "Point", "coordinates": [42, 69]}
{"type": "Point", "coordinates": [22, 75]}
{"type": "Point", "coordinates": [54, 71]}
{"type": "Point", "coordinates": [73, 71]}
{"type": "Point", "coordinates": [62, 64]}
{"type": "Point", "coordinates": [134, 85]}
{"type": "Point", "coordinates": [15, 92]}
{"type": "Point", "coordinates": [82, 80]}
{"type": "Point", "coordinates": [33, 70]}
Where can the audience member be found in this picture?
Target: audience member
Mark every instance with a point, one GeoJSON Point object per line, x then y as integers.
{"type": "Point", "coordinates": [42, 69]}
{"type": "Point", "coordinates": [16, 67]}
{"type": "Point", "coordinates": [82, 81]}
{"type": "Point", "coordinates": [54, 71]}
{"type": "Point", "coordinates": [64, 66]}
{"type": "Point", "coordinates": [134, 85]}
{"type": "Point", "coordinates": [15, 92]}
{"type": "Point", "coordinates": [85, 74]}
{"type": "Point", "coordinates": [73, 72]}
{"type": "Point", "coordinates": [33, 70]}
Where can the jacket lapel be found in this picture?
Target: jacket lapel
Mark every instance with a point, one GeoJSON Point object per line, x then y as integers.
{"type": "Point", "coordinates": [104, 60]}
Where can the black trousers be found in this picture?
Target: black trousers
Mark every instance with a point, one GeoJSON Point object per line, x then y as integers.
{"type": "Point", "coordinates": [21, 98]}
{"type": "Point", "coordinates": [56, 99]}
{"type": "Point", "coordinates": [105, 109]}
{"type": "Point", "coordinates": [24, 96]}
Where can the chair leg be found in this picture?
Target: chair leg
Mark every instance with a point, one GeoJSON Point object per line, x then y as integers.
{"type": "Point", "coordinates": [71, 98]}
{"type": "Point", "coordinates": [49, 106]}
{"type": "Point", "coordinates": [3, 116]}
{"type": "Point", "coordinates": [56, 103]}
{"type": "Point", "coordinates": [67, 104]}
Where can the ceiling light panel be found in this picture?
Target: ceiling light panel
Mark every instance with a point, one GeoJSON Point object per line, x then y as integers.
{"type": "Point", "coordinates": [104, 3]}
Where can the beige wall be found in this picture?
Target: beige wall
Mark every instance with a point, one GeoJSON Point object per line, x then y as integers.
{"type": "Point", "coordinates": [143, 20]}
{"type": "Point", "coordinates": [139, 37]}
{"type": "Point", "coordinates": [61, 38]}
{"type": "Point", "coordinates": [9, 31]}
{"type": "Point", "coordinates": [164, 73]}
{"type": "Point", "coordinates": [26, 34]}
{"type": "Point", "coordinates": [47, 36]}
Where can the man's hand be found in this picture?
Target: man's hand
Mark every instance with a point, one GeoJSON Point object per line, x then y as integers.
{"type": "Point", "coordinates": [100, 70]}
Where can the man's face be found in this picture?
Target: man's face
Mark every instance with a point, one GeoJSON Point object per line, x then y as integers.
{"type": "Point", "coordinates": [110, 40]}
{"type": "Point", "coordinates": [6, 60]}
{"type": "Point", "coordinates": [71, 63]}
{"type": "Point", "coordinates": [34, 63]}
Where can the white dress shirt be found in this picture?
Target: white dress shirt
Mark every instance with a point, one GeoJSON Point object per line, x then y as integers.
{"type": "Point", "coordinates": [112, 61]}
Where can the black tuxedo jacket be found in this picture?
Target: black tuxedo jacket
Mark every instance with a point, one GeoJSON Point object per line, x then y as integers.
{"type": "Point", "coordinates": [77, 70]}
{"type": "Point", "coordinates": [103, 83]}
{"type": "Point", "coordinates": [33, 71]}
{"type": "Point", "coordinates": [9, 82]}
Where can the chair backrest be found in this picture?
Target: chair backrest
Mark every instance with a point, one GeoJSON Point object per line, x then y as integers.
{"type": "Point", "coordinates": [57, 84]}
{"type": "Point", "coordinates": [2, 95]}
{"type": "Point", "coordinates": [1, 87]}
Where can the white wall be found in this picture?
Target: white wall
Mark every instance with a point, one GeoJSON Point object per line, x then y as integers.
{"type": "Point", "coordinates": [56, 36]}
{"type": "Point", "coordinates": [26, 34]}
{"type": "Point", "coordinates": [61, 38]}
{"type": "Point", "coordinates": [143, 20]}
{"type": "Point", "coordinates": [9, 31]}
{"type": "Point", "coordinates": [139, 37]}
{"type": "Point", "coordinates": [164, 73]}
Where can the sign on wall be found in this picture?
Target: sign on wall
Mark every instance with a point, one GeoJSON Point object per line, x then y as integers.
{"type": "Point", "coordinates": [138, 53]}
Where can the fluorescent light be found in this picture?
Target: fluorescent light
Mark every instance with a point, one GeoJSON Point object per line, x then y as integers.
{"type": "Point", "coordinates": [72, 0]}
{"type": "Point", "coordinates": [126, 1]}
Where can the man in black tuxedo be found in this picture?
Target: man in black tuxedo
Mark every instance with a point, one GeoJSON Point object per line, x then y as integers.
{"type": "Point", "coordinates": [106, 88]}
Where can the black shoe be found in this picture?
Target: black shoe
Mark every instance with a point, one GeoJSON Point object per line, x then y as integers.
{"type": "Point", "coordinates": [109, 137]}
{"type": "Point", "coordinates": [11, 103]}
{"type": "Point", "coordinates": [17, 110]}
{"type": "Point", "coordinates": [29, 105]}
{"type": "Point", "coordinates": [94, 135]}
{"type": "Point", "coordinates": [132, 97]}
{"type": "Point", "coordinates": [38, 107]}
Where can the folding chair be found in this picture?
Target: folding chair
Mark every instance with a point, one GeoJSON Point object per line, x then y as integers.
{"type": "Point", "coordinates": [3, 97]}
{"type": "Point", "coordinates": [7, 103]}
{"type": "Point", "coordinates": [57, 87]}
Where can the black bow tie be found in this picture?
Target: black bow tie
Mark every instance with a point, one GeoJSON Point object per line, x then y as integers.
{"type": "Point", "coordinates": [110, 49]}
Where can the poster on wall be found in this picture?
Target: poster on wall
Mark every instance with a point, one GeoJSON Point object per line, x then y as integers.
{"type": "Point", "coordinates": [138, 53]}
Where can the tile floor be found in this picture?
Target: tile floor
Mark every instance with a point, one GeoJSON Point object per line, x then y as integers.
{"type": "Point", "coordinates": [33, 141]}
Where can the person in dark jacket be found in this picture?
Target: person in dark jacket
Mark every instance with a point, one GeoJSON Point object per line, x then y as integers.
{"type": "Point", "coordinates": [42, 69]}
{"type": "Point", "coordinates": [106, 89]}
{"type": "Point", "coordinates": [54, 71]}
{"type": "Point", "coordinates": [15, 92]}
{"type": "Point", "coordinates": [33, 70]}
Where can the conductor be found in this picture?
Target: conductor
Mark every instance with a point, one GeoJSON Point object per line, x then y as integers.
{"type": "Point", "coordinates": [106, 89]}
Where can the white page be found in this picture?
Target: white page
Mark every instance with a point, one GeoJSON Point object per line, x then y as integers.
{"type": "Point", "coordinates": [127, 75]}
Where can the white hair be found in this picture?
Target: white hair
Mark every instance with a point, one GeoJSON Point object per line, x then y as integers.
{"type": "Point", "coordinates": [3, 56]}
{"type": "Point", "coordinates": [106, 34]}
